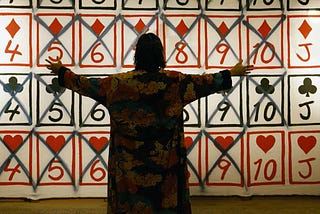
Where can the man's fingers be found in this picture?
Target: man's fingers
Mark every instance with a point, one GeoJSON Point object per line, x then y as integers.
{"type": "Point", "coordinates": [250, 67]}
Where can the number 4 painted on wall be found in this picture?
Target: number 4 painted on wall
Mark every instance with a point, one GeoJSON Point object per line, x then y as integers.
{"type": "Point", "coordinates": [13, 52]}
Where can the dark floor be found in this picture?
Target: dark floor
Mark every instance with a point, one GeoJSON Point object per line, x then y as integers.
{"type": "Point", "coordinates": [200, 205]}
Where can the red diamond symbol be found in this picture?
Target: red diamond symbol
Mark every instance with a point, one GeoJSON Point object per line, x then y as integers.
{"type": "Point", "coordinates": [97, 27]}
{"type": "Point", "coordinates": [13, 28]}
{"type": "Point", "coordinates": [223, 28]}
{"type": "Point", "coordinates": [55, 26]}
{"type": "Point", "coordinates": [140, 26]}
{"type": "Point", "coordinates": [305, 29]}
{"type": "Point", "coordinates": [182, 28]}
{"type": "Point", "coordinates": [264, 29]}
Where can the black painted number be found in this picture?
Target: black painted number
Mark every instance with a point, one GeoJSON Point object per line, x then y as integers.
{"type": "Point", "coordinates": [98, 2]}
{"type": "Point", "coordinates": [224, 107]}
{"type": "Point", "coordinates": [12, 111]}
{"type": "Point", "coordinates": [182, 3]}
{"type": "Point", "coordinates": [269, 108]}
{"type": "Point", "coordinates": [57, 111]}
{"type": "Point", "coordinates": [303, 2]}
{"type": "Point", "coordinates": [56, 1]}
{"type": "Point", "coordinates": [266, 2]}
{"type": "Point", "coordinates": [98, 114]}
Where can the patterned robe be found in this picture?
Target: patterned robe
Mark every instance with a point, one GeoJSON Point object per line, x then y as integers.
{"type": "Point", "coordinates": [147, 155]}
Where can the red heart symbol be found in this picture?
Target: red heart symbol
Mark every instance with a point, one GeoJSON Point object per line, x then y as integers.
{"type": "Point", "coordinates": [13, 142]}
{"type": "Point", "coordinates": [307, 143]}
{"type": "Point", "coordinates": [265, 143]}
{"type": "Point", "coordinates": [98, 143]}
{"type": "Point", "coordinates": [224, 141]}
{"type": "Point", "coordinates": [55, 143]}
{"type": "Point", "coordinates": [188, 141]}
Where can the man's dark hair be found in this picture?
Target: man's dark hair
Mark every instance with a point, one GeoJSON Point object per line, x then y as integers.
{"type": "Point", "coordinates": [149, 53]}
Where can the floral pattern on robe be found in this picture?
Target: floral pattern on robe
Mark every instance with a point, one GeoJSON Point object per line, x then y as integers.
{"type": "Point", "coordinates": [147, 155]}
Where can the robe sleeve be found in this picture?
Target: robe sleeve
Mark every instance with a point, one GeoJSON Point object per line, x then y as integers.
{"type": "Point", "coordinates": [196, 86]}
{"type": "Point", "coordinates": [90, 87]}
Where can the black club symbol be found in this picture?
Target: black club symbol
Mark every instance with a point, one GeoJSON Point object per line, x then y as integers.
{"type": "Point", "coordinates": [265, 87]}
{"type": "Point", "coordinates": [13, 86]}
{"type": "Point", "coordinates": [55, 87]}
{"type": "Point", "coordinates": [307, 87]}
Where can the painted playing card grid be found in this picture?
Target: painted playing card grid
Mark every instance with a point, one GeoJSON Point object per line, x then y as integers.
{"type": "Point", "coordinates": [258, 138]}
